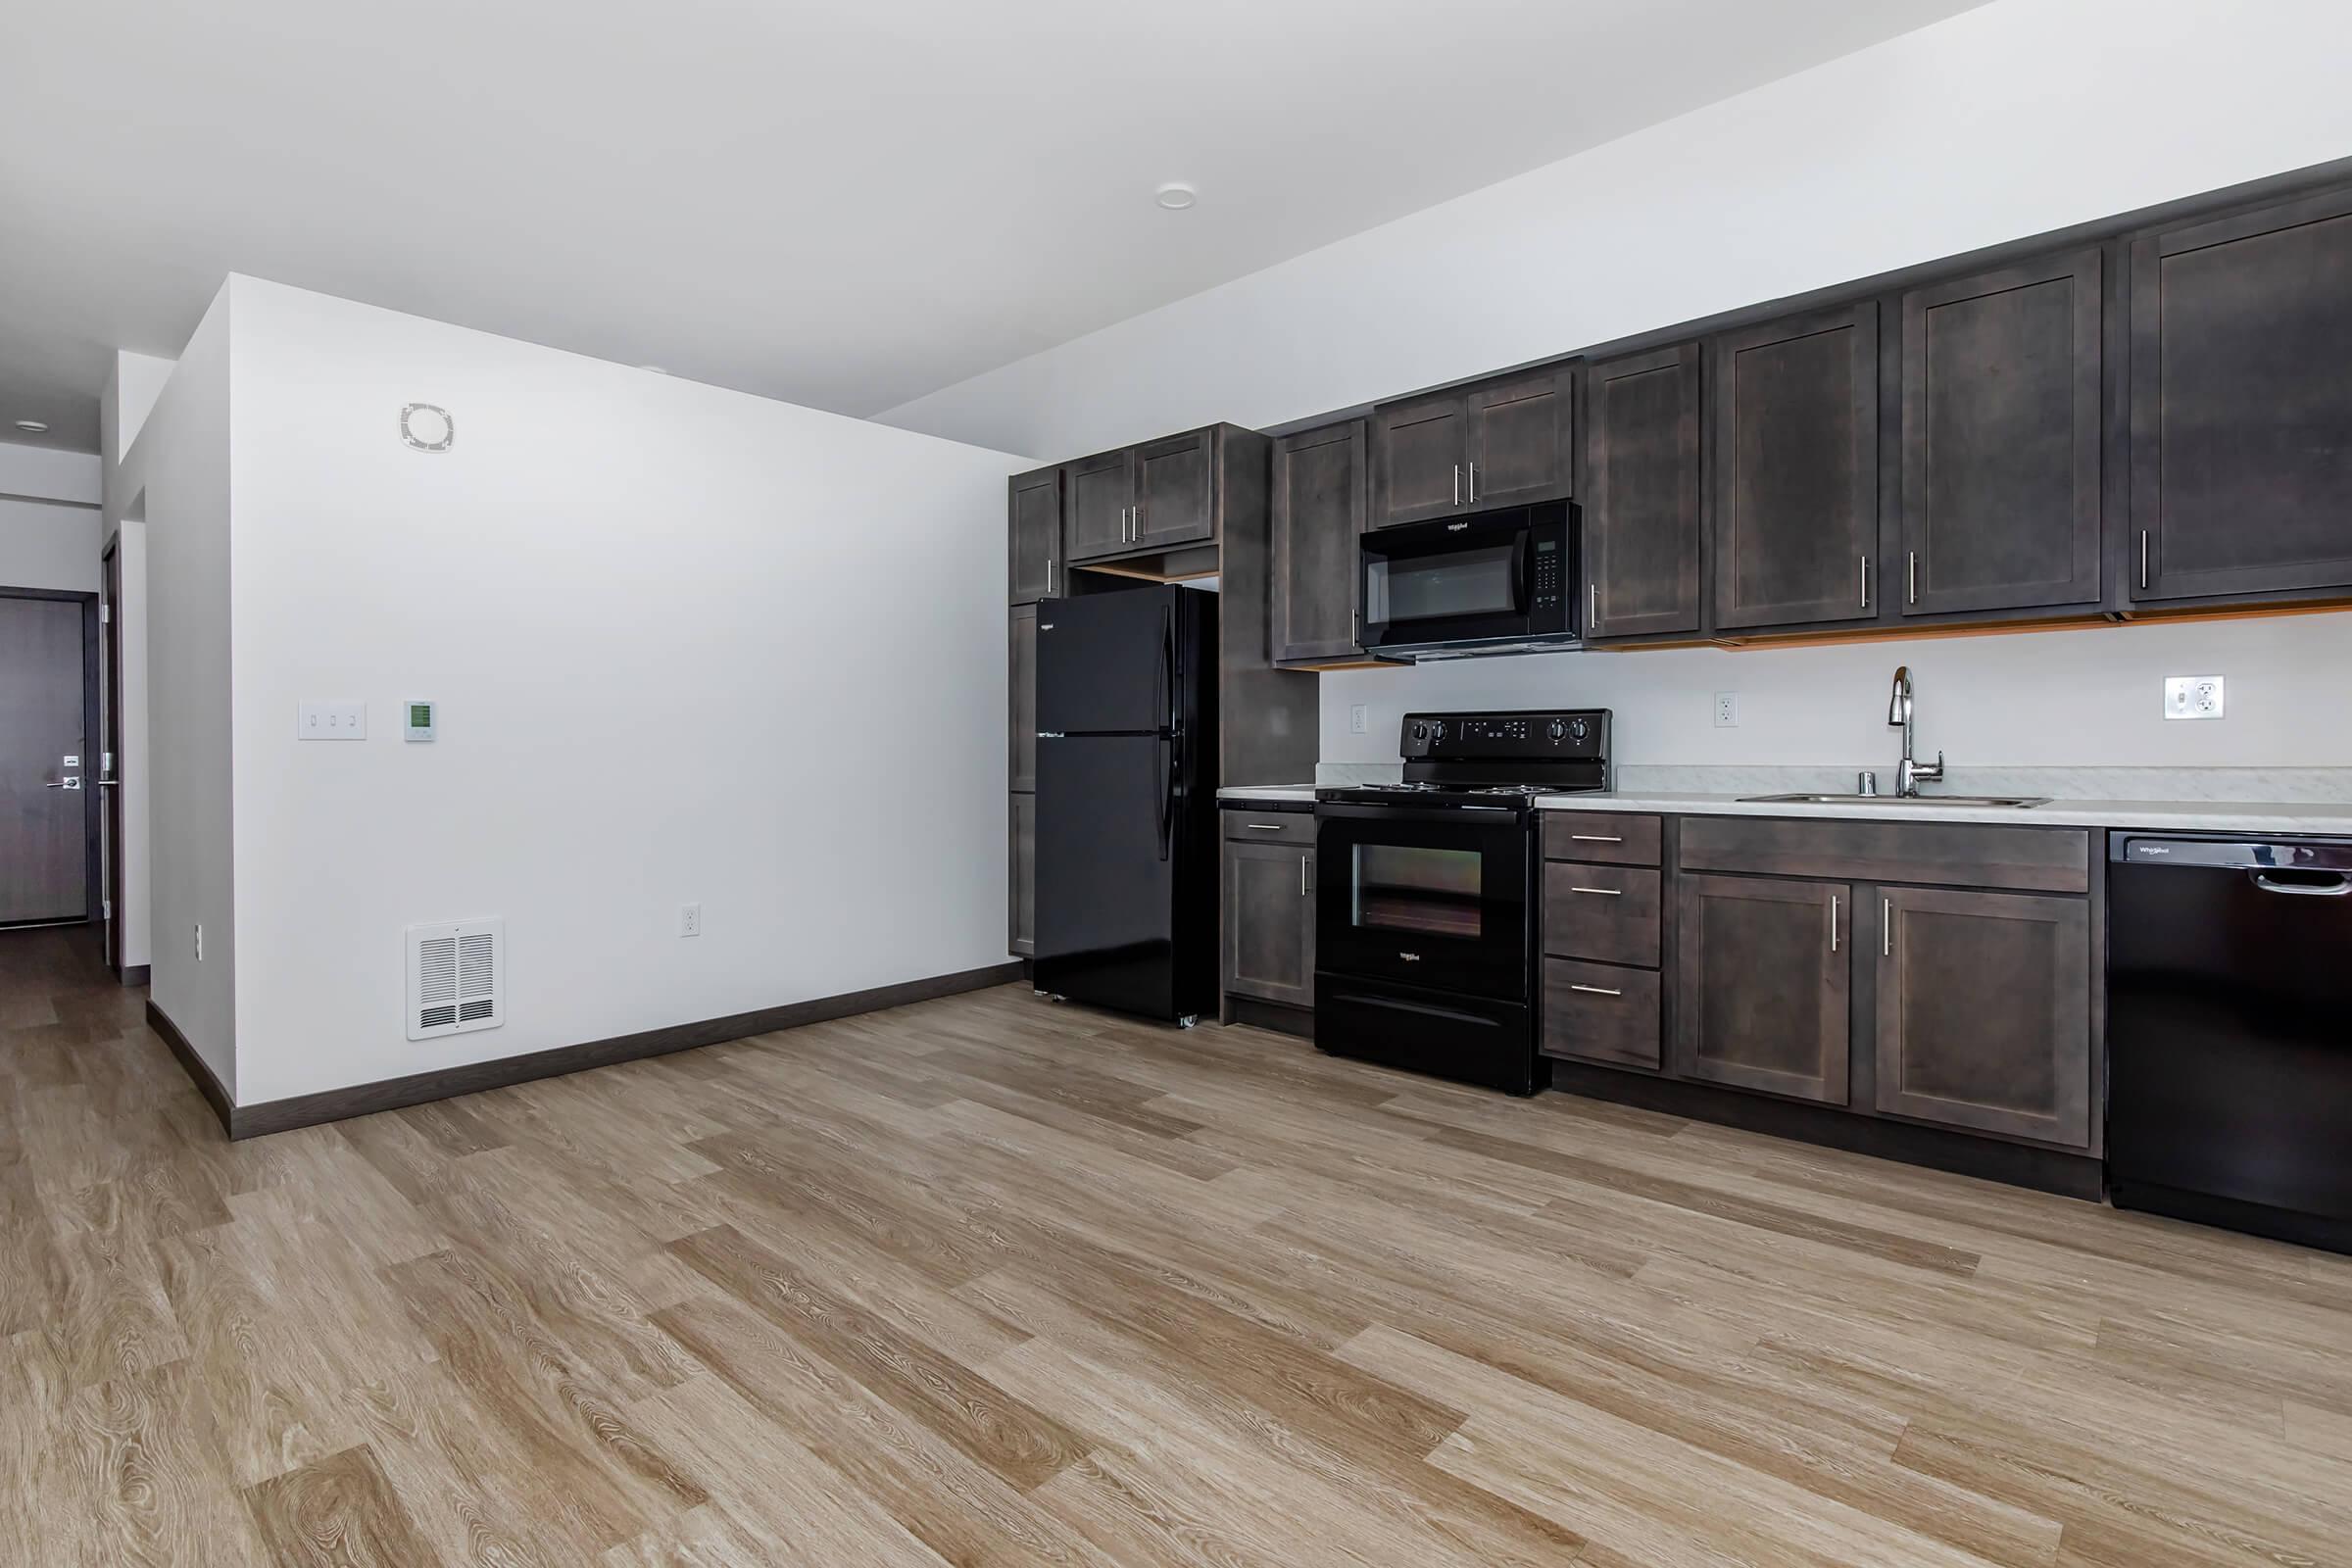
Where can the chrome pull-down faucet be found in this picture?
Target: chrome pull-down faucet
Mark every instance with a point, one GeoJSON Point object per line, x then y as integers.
{"type": "Point", "coordinates": [1909, 774]}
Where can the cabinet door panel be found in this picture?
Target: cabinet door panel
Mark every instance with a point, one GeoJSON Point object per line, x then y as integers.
{"type": "Point", "coordinates": [1021, 690]}
{"type": "Point", "coordinates": [1101, 491]}
{"type": "Point", "coordinates": [1641, 495]}
{"type": "Point", "coordinates": [2000, 439]}
{"type": "Point", "coordinates": [1418, 452]}
{"type": "Point", "coordinates": [1983, 1011]}
{"type": "Point", "coordinates": [1600, 1013]}
{"type": "Point", "coordinates": [1034, 507]}
{"type": "Point", "coordinates": [2241, 404]}
{"type": "Point", "coordinates": [1796, 426]}
{"type": "Point", "coordinates": [1270, 922]}
{"type": "Point", "coordinates": [1319, 500]}
{"type": "Point", "coordinates": [1765, 973]}
{"type": "Point", "coordinates": [1021, 850]}
{"type": "Point", "coordinates": [1521, 435]}
{"type": "Point", "coordinates": [1175, 491]}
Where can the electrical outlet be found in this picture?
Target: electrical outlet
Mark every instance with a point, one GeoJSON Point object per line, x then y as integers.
{"type": "Point", "coordinates": [690, 920]}
{"type": "Point", "coordinates": [1360, 718]}
{"type": "Point", "coordinates": [340, 720]}
{"type": "Point", "coordinates": [1726, 709]}
{"type": "Point", "coordinates": [2192, 697]}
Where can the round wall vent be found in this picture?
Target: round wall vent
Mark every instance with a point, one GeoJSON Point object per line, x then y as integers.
{"type": "Point", "coordinates": [427, 427]}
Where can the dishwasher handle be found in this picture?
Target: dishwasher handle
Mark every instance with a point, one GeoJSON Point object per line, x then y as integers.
{"type": "Point", "coordinates": [2337, 887]}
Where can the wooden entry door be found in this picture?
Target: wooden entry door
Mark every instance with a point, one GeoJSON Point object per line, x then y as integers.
{"type": "Point", "coordinates": [44, 873]}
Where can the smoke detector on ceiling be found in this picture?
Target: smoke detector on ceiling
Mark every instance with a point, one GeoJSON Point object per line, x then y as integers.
{"type": "Point", "coordinates": [1176, 196]}
{"type": "Point", "coordinates": [427, 427]}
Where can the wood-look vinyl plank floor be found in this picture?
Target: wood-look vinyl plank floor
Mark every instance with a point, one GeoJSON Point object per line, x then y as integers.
{"type": "Point", "coordinates": [991, 1283]}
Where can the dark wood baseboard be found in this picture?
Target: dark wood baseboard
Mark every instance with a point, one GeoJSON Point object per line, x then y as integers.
{"type": "Point", "coordinates": [194, 1065]}
{"type": "Point", "coordinates": [1274, 1015]}
{"type": "Point", "coordinates": [2048, 1170]}
{"type": "Point", "coordinates": [390, 1094]}
{"type": "Point", "coordinates": [137, 974]}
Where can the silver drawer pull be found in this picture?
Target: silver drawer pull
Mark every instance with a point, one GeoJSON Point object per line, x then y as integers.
{"type": "Point", "coordinates": [1265, 827]}
{"type": "Point", "coordinates": [1596, 838]}
{"type": "Point", "coordinates": [1610, 893]}
{"type": "Point", "coordinates": [1596, 991]}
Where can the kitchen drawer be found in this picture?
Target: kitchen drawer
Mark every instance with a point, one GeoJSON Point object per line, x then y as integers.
{"type": "Point", "coordinates": [1607, 913]}
{"type": "Point", "coordinates": [1598, 836]}
{"type": "Point", "coordinates": [1270, 828]}
{"type": "Point", "coordinates": [1953, 854]}
{"type": "Point", "coordinates": [1596, 1012]}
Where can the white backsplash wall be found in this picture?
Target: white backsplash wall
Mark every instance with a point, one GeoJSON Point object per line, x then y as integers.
{"type": "Point", "coordinates": [2090, 697]}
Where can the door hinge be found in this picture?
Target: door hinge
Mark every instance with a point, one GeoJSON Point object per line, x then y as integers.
{"type": "Point", "coordinates": [106, 614]}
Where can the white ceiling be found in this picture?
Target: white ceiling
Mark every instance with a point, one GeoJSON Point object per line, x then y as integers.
{"type": "Point", "coordinates": [845, 204]}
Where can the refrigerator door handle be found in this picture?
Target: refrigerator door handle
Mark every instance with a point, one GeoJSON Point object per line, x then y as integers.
{"type": "Point", "coordinates": [1171, 738]}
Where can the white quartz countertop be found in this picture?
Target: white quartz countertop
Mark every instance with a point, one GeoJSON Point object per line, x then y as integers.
{"type": "Point", "coordinates": [1268, 792]}
{"type": "Point", "coordinates": [2188, 817]}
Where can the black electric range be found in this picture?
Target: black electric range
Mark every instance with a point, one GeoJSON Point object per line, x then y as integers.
{"type": "Point", "coordinates": [1425, 915]}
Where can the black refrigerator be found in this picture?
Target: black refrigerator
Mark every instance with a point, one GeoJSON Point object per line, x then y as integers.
{"type": "Point", "coordinates": [1126, 801]}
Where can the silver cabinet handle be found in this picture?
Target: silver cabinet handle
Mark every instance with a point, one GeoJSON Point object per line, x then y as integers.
{"type": "Point", "coordinates": [1596, 991]}
{"type": "Point", "coordinates": [1265, 827]}
{"type": "Point", "coordinates": [1886, 928]}
{"type": "Point", "coordinates": [1606, 893]}
{"type": "Point", "coordinates": [1474, 484]}
{"type": "Point", "coordinates": [2144, 558]}
{"type": "Point", "coordinates": [1593, 598]}
{"type": "Point", "coordinates": [1457, 484]}
{"type": "Point", "coordinates": [1594, 838]}
{"type": "Point", "coordinates": [1911, 578]}
{"type": "Point", "coordinates": [1049, 576]}
{"type": "Point", "coordinates": [1302, 876]}
{"type": "Point", "coordinates": [1833, 922]}
{"type": "Point", "coordinates": [1865, 582]}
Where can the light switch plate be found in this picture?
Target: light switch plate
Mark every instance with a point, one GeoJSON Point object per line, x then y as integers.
{"type": "Point", "coordinates": [337, 720]}
{"type": "Point", "coordinates": [2192, 697]}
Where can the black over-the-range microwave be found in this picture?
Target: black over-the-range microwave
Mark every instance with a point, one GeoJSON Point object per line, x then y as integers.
{"type": "Point", "coordinates": [1500, 582]}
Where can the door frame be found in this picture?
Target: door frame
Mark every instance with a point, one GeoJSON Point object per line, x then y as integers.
{"type": "Point", "coordinates": [94, 901]}
{"type": "Point", "coordinates": [109, 735]}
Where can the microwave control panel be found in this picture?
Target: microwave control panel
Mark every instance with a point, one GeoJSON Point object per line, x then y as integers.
{"type": "Point", "coordinates": [1547, 590]}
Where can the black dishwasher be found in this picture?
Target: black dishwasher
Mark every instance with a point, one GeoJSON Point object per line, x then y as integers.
{"type": "Point", "coordinates": [2230, 1032]}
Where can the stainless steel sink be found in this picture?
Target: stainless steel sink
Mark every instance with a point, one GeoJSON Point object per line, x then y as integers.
{"type": "Point", "coordinates": [2018, 802]}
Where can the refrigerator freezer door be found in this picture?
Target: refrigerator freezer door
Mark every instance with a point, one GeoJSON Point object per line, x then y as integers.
{"type": "Point", "coordinates": [1105, 663]}
{"type": "Point", "coordinates": [1108, 863]}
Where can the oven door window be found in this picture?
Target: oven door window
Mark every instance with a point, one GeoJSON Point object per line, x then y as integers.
{"type": "Point", "coordinates": [1483, 581]}
{"type": "Point", "coordinates": [1420, 890]}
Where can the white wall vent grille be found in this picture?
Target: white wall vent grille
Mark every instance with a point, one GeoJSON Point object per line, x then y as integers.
{"type": "Point", "coordinates": [457, 975]}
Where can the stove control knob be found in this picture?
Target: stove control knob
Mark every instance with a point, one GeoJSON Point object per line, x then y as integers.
{"type": "Point", "coordinates": [1437, 731]}
{"type": "Point", "coordinates": [1578, 729]}
{"type": "Point", "coordinates": [1420, 732]}
{"type": "Point", "coordinates": [1555, 729]}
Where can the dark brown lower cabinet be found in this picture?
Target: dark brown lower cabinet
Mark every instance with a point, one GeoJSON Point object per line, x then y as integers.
{"type": "Point", "coordinates": [1021, 901]}
{"type": "Point", "coordinates": [1765, 971]}
{"type": "Point", "coordinates": [1602, 1012]}
{"type": "Point", "coordinates": [1983, 1011]}
{"type": "Point", "coordinates": [1270, 922]}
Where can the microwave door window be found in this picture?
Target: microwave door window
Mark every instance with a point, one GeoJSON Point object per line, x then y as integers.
{"type": "Point", "coordinates": [1439, 587]}
{"type": "Point", "coordinates": [1431, 892]}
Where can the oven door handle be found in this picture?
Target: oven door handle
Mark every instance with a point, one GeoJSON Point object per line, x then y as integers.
{"type": "Point", "coordinates": [1478, 817]}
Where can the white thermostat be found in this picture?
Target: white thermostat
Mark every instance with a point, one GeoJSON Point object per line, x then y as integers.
{"type": "Point", "coordinates": [416, 714]}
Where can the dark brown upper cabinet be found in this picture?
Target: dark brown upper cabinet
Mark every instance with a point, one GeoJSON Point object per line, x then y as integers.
{"type": "Point", "coordinates": [1641, 495]}
{"type": "Point", "coordinates": [2010, 1057]}
{"type": "Point", "coordinates": [1794, 421]}
{"type": "Point", "coordinates": [1319, 500]}
{"type": "Point", "coordinates": [1034, 503]}
{"type": "Point", "coordinates": [1102, 505]}
{"type": "Point", "coordinates": [1765, 971]}
{"type": "Point", "coordinates": [2242, 405]}
{"type": "Point", "coordinates": [1500, 443]}
{"type": "Point", "coordinates": [1175, 492]}
{"type": "Point", "coordinates": [2001, 439]}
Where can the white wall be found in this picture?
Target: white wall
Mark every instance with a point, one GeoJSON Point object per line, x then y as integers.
{"type": "Point", "coordinates": [47, 544]}
{"type": "Point", "coordinates": [178, 475]}
{"type": "Point", "coordinates": [132, 386]}
{"type": "Point", "coordinates": [2003, 122]}
{"type": "Point", "coordinates": [688, 646]}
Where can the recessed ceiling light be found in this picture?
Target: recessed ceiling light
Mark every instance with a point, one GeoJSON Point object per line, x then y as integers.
{"type": "Point", "coordinates": [33, 426]}
{"type": "Point", "coordinates": [1175, 195]}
